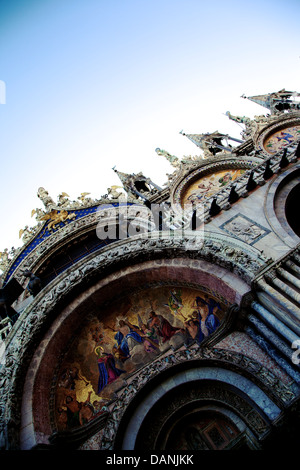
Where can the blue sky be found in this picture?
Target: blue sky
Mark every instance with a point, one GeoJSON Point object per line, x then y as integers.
{"type": "Point", "coordinates": [93, 84]}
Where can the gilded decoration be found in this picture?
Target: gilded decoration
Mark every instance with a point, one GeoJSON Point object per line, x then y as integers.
{"type": "Point", "coordinates": [122, 338]}
{"type": "Point", "coordinates": [206, 186]}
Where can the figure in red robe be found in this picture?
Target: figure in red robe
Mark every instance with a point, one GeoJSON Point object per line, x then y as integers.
{"type": "Point", "coordinates": [162, 326]}
{"type": "Point", "coordinates": [108, 372]}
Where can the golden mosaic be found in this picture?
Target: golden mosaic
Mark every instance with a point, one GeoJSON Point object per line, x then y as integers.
{"type": "Point", "coordinates": [208, 185]}
{"type": "Point", "coordinates": [122, 338]}
{"type": "Point", "coordinates": [281, 139]}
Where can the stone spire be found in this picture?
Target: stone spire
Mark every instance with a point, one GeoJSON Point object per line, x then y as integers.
{"type": "Point", "coordinates": [277, 101]}
{"type": "Point", "coordinates": [137, 185]}
{"type": "Point", "coordinates": [211, 143]}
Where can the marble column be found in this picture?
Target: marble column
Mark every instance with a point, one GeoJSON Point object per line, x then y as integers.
{"type": "Point", "coordinates": [272, 337]}
{"type": "Point", "coordinates": [293, 267]}
{"type": "Point", "coordinates": [274, 322]}
{"type": "Point", "coordinates": [270, 350]}
{"type": "Point", "coordinates": [289, 277]}
{"type": "Point", "coordinates": [290, 308]}
{"type": "Point", "coordinates": [292, 293]}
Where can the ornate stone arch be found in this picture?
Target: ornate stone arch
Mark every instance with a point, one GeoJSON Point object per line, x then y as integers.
{"type": "Point", "coordinates": [218, 164]}
{"type": "Point", "coordinates": [186, 182]}
{"type": "Point", "coordinates": [37, 319]}
{"type": "Point", "coordinates": [289, 123]}
{"type": "Point", "coordinates": [275, 203]}
{"type": "Point", "coordinates": [212, 375]}
{"type": "Point", "coordinates": [38, 250]}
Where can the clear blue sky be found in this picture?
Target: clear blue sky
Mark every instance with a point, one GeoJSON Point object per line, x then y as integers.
{"type": "Point", "coordinates": [91, 84]}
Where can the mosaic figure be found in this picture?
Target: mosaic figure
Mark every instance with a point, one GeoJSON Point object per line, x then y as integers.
{"type": "Point", "coordinates": [281, 139]}
{"type": "Point", "coordinates": [162, 326]}
{"type": "Point", "coordinates": [123, 337]}
{"type": "Point", "coordinates": [108, 372]}
{"type": "Point", "coordinates": [208, 185]}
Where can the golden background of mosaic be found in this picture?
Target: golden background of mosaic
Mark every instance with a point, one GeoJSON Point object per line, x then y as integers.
{"type": "Point", "coordinates": [122, 338]}
{"type": "Point", "coordinates": [208, 185]}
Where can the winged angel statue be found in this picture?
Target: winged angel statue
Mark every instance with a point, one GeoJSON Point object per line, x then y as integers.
{"type": "Point", "coordinates": [55, 217]}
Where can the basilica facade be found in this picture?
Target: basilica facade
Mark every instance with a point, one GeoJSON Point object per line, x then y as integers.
{"type": "Point", "coordinates": [165, 318]}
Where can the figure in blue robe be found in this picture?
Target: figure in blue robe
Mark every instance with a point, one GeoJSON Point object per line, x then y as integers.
{"type": "Point", "coordinates": [108, 372]}
{"type": "Point", "coordinates": [193, 330]}
{"type": "Point", "coordinates": [212, 322]}
{"type": "Point", "coordinates": [122, 343]}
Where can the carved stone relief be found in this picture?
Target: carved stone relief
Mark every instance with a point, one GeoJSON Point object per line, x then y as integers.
{"type": "Point", "coordinates": [245, 229]}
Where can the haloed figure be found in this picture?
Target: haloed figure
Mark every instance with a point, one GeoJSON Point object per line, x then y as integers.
{"type": "Point", "coordinates": [108, 372]}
